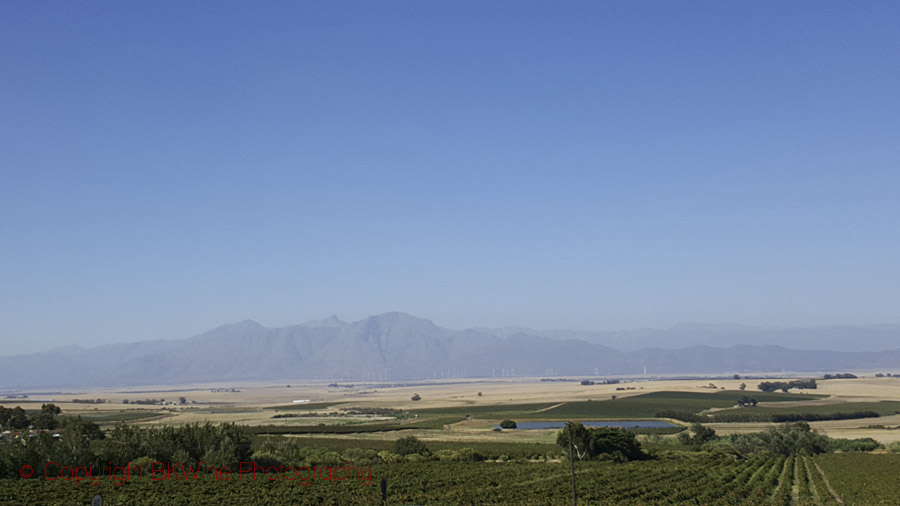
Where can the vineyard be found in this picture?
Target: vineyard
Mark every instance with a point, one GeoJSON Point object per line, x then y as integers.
{"type": "Point", "coordinates": [702, 479]}
{"type": "Point", "coordinates": [774, 466]}
{"type": "Point", "coordinates": [862, 478]}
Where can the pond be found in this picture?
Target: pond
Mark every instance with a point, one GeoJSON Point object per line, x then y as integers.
{"type": "Point", "coordinates": [624, 424]}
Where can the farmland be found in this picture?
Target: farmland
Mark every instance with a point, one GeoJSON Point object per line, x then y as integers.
{"type": "Point", "coordinates": [706, 479]}
{"type": "Point", "coordinates": [470, 462]}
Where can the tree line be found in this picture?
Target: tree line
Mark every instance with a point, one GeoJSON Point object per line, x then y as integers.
{"type": "Point", "coordinates": [784, 386]}
{"type": "Point", "coordinates": [18, 419]}
{"type": "Point", "coordinates": [82, 443]}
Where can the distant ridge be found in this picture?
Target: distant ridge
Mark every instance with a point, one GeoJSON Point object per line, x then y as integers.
{"type": "Point", "coordinates": [399, 346]}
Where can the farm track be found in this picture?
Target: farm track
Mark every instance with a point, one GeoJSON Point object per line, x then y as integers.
{"type": "Point", "coordinates": [548, 408]}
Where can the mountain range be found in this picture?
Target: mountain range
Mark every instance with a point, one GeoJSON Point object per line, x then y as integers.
{"type": "Point", "coordinates": [399, 346]}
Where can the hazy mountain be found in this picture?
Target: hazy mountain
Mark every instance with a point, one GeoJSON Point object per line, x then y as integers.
{"type": "Point", "coordinates": [331, 321]}
{"type": "Point", "coordinates": [399, 346]}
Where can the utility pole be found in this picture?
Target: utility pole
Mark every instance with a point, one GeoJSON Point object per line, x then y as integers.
{"type": "Point", "coordinates": [572, 464]}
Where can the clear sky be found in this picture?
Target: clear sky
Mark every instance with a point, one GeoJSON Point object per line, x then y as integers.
{"type": "Point", "coordinates": [167, 167]}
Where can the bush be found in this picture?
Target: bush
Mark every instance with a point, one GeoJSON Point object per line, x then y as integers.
{"type": "Point", "coordinates": [470, 455]}
{"type": "Point", "coordinates": [701, 436]}
{"type": "Point", "coordinates": [389, 458]}
{"type": "Point", "coordinates": [865, 444]}
{"type": "Point", "coordinates": [446, 455]}
{"type": "Point", "coordinates": [785, 439]}
{"type": "Point", "coordinates": [410, 445]}
{"type": "Point", "coordinates": [508, 424]}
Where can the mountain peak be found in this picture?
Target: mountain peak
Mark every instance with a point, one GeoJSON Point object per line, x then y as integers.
{"type": "Point", "coordinates": [248, 323]}
{"type": "Point", "coordinates": [331, 321]}
{"type": "Point", "coordinates": [241, 326]}
{"type": "Point", "coordinates": [399, 317]}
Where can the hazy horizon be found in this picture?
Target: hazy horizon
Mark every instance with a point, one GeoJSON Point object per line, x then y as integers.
{"type": "Point", "coordinates": [705, 326]}
{"type": "Point", "coordinates": [170, 167]}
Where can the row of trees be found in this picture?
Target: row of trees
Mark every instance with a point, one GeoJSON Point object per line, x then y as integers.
{"type": "Point", "coordinates": [82, 443]}
{"type": "Point", "coordinates": [784, 439]}
{"type": "Point", "coordinates": [784, 386]}
{"type": "Point", "coordinates": [18, 419]}
{"type": "Point", "coordinates": [844, 375]}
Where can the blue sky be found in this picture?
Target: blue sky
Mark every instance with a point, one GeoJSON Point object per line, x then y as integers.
{"type": "Point", "coordinates": [167, 167]}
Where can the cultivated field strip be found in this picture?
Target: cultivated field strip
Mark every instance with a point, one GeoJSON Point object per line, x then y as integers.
{"type": "Point", "coordinates": [702, 480]}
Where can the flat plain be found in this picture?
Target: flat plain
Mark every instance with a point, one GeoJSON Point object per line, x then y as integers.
{"type": "Point", "coordinates": [476, 405]}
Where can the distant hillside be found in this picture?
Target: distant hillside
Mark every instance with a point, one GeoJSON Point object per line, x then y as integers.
{"type": "Point", "coordinates": [399, 346]}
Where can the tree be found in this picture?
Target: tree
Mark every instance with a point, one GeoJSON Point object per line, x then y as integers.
{"type": "Point", "coordinates": [13, 418]}
{"type": "Point", "coordinates": [742, 387]}
{"type": "Point", "coordinates": [409, 445]}
{"type": "Point", "coordinates": [784, 439]}
{"type": "Point", "coordinates": [579, 436]}
{"type": "Point", "coordinates": [46, 418]}
{"type": "Point", "coordinates": [589, 444]}
{"type": "Point", "coordinates": [124, 444]}
{"type": "Point", "coordinates": [619, 443]}
{"type": "Point", "coordinates": [74, 447]}
{"type": "Point", "coordinates": [87, 428]}
{"type": "Point", "coordinates": [701, 436]}
{"type": "Point", "coordinates": [416, 397]}
{"type": "Point", "coordinates": [508, 424]}
{"type": "Point", "coordinates": [183, 400]}
{"type": "Point", "coordinates": [767, 386]}
{"type": "Point", "coordinates": [746, 401]}
{"type": "Point", "coordinates": [784, 386]}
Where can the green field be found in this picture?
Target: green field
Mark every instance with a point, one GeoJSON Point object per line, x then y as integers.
{"type": "Point", "coordinates": [640, 406]}
{"type": "Point", "coordinates": [637, 406]}
{"type": "Point", "coordinates": [863, 478]}
{"type": "Point", "coordinates": [309, 406]}
{"type": "Point", "coordinates": [132, 415]}
{"type": "Point", "coordinates": [883, 408]}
